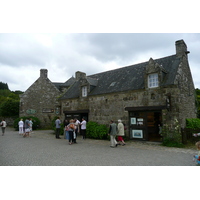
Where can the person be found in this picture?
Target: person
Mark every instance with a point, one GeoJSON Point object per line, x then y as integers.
{"type": "Point", "coordinates": [120, 133]}
{"type": "Point", "coordinates": [21, 127]}
{"type": "Point", "coordinates": [31, 125]}
{"type": "Point", "coordinates": [27, 128]}
{"type": "Point", "coordinates": [113, 133]}
{"type": "Point", "coordinates": [83, 127]}
{"type": "Point", "coordinates": [58, 125]}
{"type": "Point", "coordinates": [3, 126]}
{"type": "Point", "coordinates": [77, 128]}
{"type": "Point", "coordinates": [71, 131]}
{"type": "Point", "coordinates": [66, 129]}
{"type": "Point", "coordinates": [197, 157]}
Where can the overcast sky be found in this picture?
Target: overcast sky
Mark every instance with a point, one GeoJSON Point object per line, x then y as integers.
{"type": "Point", "coordinates": [23, 55]}
{"type": "Point", "coordinates": [91, 36]}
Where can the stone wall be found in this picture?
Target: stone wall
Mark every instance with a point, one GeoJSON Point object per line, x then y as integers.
{"type": "Point", "coordinates": [41, 100]}
{"type": "Point", "coordinates": [103, 108]}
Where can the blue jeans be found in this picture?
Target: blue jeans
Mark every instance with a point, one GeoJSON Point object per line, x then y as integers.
{"type": "Point", "coordinates": [67, 135]}
{"type": "Point", "coordinates": [71, 136]}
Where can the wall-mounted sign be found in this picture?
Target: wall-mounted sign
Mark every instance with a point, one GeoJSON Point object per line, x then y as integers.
{"type": "Point", "coordinates": [133, 120]}
{"type": "Point", "coordinates": [137, 133]}
{"type": "Point", "coordinates": [47, 110]}
{"type": "Point", "coordinates": [57, 110]}
{"type": "Point", "coordinates": [30, 111]}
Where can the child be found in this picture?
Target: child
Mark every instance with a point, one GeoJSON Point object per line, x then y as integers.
{"type": "Point", "coordinates": [197, 157]}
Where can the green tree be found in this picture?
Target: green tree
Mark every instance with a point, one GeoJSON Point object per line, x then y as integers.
{"type": "Point", "coordinates": [9, 101]}
{"type": "Point", "coordinates": [4, 86]}
{"type": "Point", "coordinates": [9, 108]}
{"type": "Point", "coordinates": [198, 102]}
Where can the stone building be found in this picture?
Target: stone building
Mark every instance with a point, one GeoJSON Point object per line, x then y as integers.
{"type": "Point", "coordinates": [145, 96]}
{"type": "Point", "coordinates": [41, 98]}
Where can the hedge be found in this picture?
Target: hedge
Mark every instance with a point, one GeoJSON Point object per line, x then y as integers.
{"type": "Point", "coordinates": [96, 131]}
{"type": "Point", "coordinates": [35, 120]}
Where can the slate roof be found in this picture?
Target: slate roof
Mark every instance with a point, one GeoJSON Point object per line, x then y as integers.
{"type": "Point", "coordinates": [66, 84]}
{"type": "Point", "coordinates": [125, 78]}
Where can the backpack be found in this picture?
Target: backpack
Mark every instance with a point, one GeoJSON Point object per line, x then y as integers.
{"type": "Point", "coordinates": [72, 126]}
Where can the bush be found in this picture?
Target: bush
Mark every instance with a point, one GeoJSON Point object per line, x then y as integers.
{"type": "Point", "coordinates": [96, 131]}
{"type": "Point", "coordinates": [193, 123]}
{"type": "Point", "coordinates": [170, 142]}
{"type": "Point", "coordinates": [36, 122]}
{"type": "Point", "coordinates": [10, 108]}
{"type": "Point", "coordinates": [172, 137]}
{"type": "Point", "coordinates": [53, 126]}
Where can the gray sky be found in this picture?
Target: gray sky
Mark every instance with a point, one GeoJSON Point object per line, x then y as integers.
{"type": "Point", "coordinates": [23, 55]}
{"type": "Point", "coordinates": [91, 36]}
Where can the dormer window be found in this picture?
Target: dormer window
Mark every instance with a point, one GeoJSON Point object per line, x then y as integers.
{"type": "Point", "coordinates": [153, 80]}
{"type": "Point", "coordinates": [84, 91]}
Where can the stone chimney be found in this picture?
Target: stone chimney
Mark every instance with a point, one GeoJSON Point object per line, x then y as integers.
{"type": "Point", "coordinates": [80, 75]}
{"type": "Point", "coordinates": [43, 73]}
{"type": "Point", "coordinates": [181, 48]}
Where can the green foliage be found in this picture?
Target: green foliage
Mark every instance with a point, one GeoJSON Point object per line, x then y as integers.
{"type": "Point", "coordinates": [198, 102]}
{"type": "Point", "coordinates": [3, 86]}
{"type": "Point", "coordinates": [53, 126]}
{"type": "Point", "coordinates": [35, 120]}
{"type": "Point", "coordinates": [9, 108]}
{"type": "Point", "coordinates": [96, 131]}
{"type": "Point", "coordinates": [170, 142]}
{"type": "Point", "coordinates": [9, 101]}
{"type": "Point", "coordinates": [4, 93]}
{"type": "Point", "coordinates": [172, 137]}
{"type": "Point", "coordinates": [193, 123]}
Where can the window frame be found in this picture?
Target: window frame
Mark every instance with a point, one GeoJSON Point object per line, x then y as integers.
{"type": "Point", "coordinates": [84, 91]}
{"type": "Point", "coordinates": [153, 81]}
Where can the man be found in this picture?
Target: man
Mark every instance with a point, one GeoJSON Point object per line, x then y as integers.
{"type": "Point", "coordinates": [113, 133]}
{"type": "Point", "coordinates": [27, 127]}
{"type": "Point", "coordinates": [58, 123]}
{"type": "Point", "coordinates": [83, 128]}
{"type": "Point", "coordinates": [76, 123]}
{"type": "Point", "coordinates": [3, 126]}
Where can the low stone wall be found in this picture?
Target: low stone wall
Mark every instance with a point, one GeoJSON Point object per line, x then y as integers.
{"type": "Point", "coordinates": [9, 120]}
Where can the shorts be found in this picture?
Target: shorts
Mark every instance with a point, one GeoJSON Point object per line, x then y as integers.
{"type": "Point", "coordinates": [27, 130]}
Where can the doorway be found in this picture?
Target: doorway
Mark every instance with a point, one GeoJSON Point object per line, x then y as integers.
{"type": "Point", "coordinates": [146, 125]}
{"type": "Point", "coordinates": [78, 116]}
{"type": "Point", "coordinates": [154, 126]}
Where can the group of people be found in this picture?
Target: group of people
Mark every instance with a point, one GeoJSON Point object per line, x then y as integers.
{"type": "Point", "coordinates": [116, 130]}
{"type": "Point", "coordinates": [25, 128]}
{"type": "Point", "coordinates": [74, 126]}
{"type": "Point", "coordinates": [71, 129]}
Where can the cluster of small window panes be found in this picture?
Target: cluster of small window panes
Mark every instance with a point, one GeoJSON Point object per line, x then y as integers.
{"type": "Point", "coordinates": [153, 80]}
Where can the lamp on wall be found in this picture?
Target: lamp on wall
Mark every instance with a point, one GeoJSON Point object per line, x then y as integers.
{"type": "Point", "coordinates": [57, 110]}
{"type": "Point", "coordinates": [168, 102]}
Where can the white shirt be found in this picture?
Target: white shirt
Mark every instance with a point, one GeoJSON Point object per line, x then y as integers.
{"type": "Point", "coordinates": [83, 125]}
{"type": "Point", "coordinates": [21, 123]}
{"type": "Point", "coordinates": [3, 124]}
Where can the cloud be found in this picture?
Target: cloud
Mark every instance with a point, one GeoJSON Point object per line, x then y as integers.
{"type": "Point", "coordinates": [23, 55]}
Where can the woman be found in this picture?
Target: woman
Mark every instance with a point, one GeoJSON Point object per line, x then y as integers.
{"type": "Point", "coordinates": [71, 130]}
{"type": "Point", "coordinates": [120, 133]}
{"type": "Point", "coordinates": [66, 129]}
{"type": "Point", "coordinates": [21, 127]}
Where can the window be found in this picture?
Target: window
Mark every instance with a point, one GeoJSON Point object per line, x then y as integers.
{"type": "Point", "coordinates": [153, 80]}
{"type": "Point", "coordinates": [84, 91]}
{"type": "Point", "coordinates": [112, 84]}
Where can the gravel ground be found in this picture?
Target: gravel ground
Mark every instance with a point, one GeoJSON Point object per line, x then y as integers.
{"type": "Point", "coordinates": [42, 149]}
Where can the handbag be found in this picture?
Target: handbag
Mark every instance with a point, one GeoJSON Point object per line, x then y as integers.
{"type": "Point", "coordinates": [67, 128]}
{"type": "Point", "coordinates": [74, 135]}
